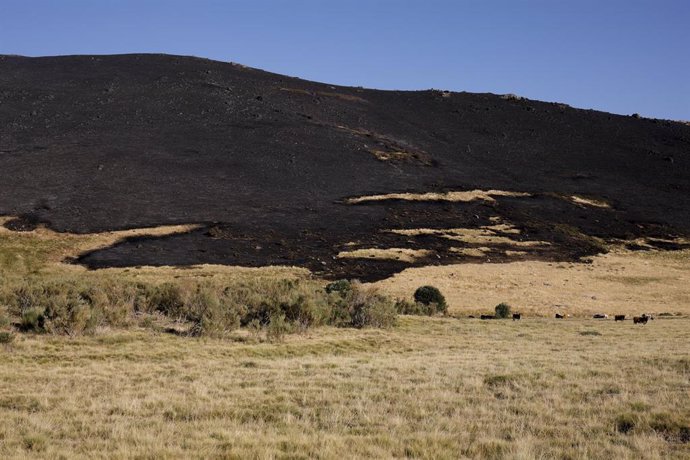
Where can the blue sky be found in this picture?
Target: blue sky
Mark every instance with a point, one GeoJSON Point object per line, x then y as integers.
{"type": "Point", "coordinates": [622, 56]}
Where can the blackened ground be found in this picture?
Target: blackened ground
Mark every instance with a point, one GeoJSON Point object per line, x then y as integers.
{"type": "Point", "coordinates": [97, 143]}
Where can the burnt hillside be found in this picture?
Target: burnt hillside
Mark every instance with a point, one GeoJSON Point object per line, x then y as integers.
{"type": "Point", "coordinates": [266, 162]}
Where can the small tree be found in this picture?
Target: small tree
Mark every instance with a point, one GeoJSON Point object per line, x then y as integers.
{"type": "Point", "coordinates": [502, 310]}
{"type": "Point", "coordinates": [428, 295]}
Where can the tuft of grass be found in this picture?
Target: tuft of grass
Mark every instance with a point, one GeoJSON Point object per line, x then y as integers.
{"type": "Point", "coordinates": [590, 333]}
{"type": "Point", "coordinates": [626, 422]}
{"type": "Point", "coordinates": [6, 338]}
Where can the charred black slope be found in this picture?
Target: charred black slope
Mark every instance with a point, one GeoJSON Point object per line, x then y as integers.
{"type": "Point", "coordinates": [266, 161]}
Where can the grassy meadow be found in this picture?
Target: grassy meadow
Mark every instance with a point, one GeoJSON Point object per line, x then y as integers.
{"type": "Point", "coordinates": [428, 388]}
{"type": "Point", "coordinates": [138, 386]}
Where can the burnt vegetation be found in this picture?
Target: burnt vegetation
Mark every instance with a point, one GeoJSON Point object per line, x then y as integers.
{"type": "Point", "coordinates": [267, 162]}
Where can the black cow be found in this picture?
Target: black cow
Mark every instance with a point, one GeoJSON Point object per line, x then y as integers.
{"type": "Point", "coordinates": [600, 316]}
{"type": "Point", "coordinates": [619, 318]}
{"type": "Point", "coordinates": [516, 316]}
{"type": "Point", "coordinates": [560, 316]}
{"type": "Point", "coordinates": [640, 319]}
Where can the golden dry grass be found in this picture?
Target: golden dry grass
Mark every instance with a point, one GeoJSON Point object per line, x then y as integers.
{"type": "Point", "coordinates": [597, 203]}
{"type": "Point", "coordinates": [488, 235]}
{"type": "Point", "coordinates": [430, 388]}
{"type": "Point", "coordinates": [404, 254]}
{"type": "Point", "coordinates": [621, 282]}
{"type": "Point", "coordinates": [470, 195]}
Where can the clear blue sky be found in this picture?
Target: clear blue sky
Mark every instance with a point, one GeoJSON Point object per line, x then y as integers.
{"type": "Point", "coordinates": [621, 56]}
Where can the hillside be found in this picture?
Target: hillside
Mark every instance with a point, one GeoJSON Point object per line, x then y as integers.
{"type": "Point", "coordinates": [281, 171]}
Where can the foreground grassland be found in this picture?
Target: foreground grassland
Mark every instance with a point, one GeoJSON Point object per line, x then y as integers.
{"type": "Point", "coordinates": [428, 388]}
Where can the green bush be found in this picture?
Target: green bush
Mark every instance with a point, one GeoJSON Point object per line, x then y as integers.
{"type": "Point", "coordinates": [502, 310]}
{"type": "Point", "coordinates": [6, 338]}
{"type": "Point", "coordinates": [340, 286]}
{"type": "Point", "coordinates": [431, 297]}
{"type": "Point", "coordinates": [32, 320]}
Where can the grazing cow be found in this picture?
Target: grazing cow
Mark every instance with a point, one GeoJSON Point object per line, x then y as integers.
{"type": "Point", "coordinates": [619, 318]}
{"type": "Point", "coordinates": [559, 316]}
{"type": "Point", "coordinates": [600, 316]}
{"type": "Point", "coordinates": [640, 319]}
{"type": "Point", "coordinates": [487, 317]}
{"type": "Point", "coordinates": [471, 316]}
{"type": "Point", "coordinates": [516, 316]}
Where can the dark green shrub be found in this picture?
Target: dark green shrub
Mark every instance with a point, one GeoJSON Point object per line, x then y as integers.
{"type": "Point", "coordinates": [502, 310]}
{"type": "Point", "coordinates": [343, 287]}
{"type": "Point", "coordinates": [32, 320]}
{"type": "Point", "coordinates": [340, 312]}
{"type": "Point", "coordinates": [431, 296]}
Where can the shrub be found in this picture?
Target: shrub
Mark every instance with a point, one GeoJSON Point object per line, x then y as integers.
{"type": "Point", "coordinates": [167, 299]}
{"type": "Point", "coordinates": [368, 308]}
{"type": "Point", "coordinates": [340, 286]}
{"type": "Point", "coordinates": [300, 303]}
{"type": "Point", "coordinates": [209, 315]}
{"type": "Point", "coordinates": [502, 310]}
{"type": "Point", "coordinates": [406, 307]}
{"type": "Point", "coordinates": [6, 338]}
{"type": "Point", "coordinates": [65, 307]}
{"type": "Point", "coordinates": [339, 312]}
{"type": "Point", "coordinates": [32, 320]}
{"type": "Point", "coordinates": [431, 297]}
{"type": "Point", "coordinates": [113, 303]}
{"type": "Point", "coordinates": [277, 328]}
{"type": "Point", "coordinates": [67, 312]}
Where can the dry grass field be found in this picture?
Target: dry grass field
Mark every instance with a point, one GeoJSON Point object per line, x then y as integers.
{"type": "Point", "coordinates": [621, 282]}
{"type": "Point", "coordinates": [429, 388]}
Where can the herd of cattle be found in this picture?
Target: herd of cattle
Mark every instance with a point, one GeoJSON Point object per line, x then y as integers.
{"type": "Point", "coordinates": [636, 319]}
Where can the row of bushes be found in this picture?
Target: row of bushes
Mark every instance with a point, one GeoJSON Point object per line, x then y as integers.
{"type": "Point", "coordinates": [207, 308]}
